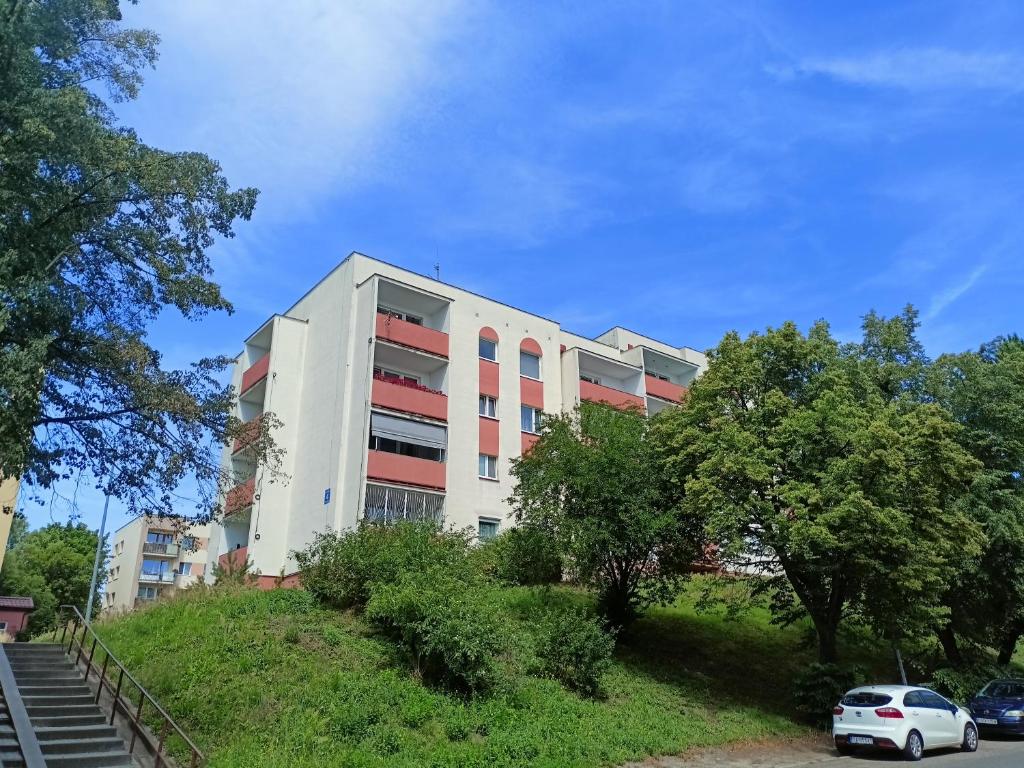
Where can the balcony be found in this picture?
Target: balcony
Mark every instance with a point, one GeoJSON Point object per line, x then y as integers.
{"type": "Point", "coordinates": [250, 430]}
{"type": "Point", "coordinates": [240, 497]}
{"type": "Point", "coordinates": [255, 373]}
{"type": "Point", "coordinates": [405, 470]}
{"type": "Point", "coordinates": [665, 390]}
{"type": "Point", "coordinates": [164, 577]}
{"type": "Point", "coordinates": [408, 397]}
{"type": "Point", "coordinates": [167, 550]}
{"type": "Point", "coordinates": [236, 556]}
{"type": "Point", "coordinates": [598, 393]}
{"type": "Point", "coordinates": [411, 335]}
{"type": "Point", "coordinates": [385, 504]}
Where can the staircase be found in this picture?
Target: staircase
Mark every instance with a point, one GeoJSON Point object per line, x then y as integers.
{"type": "Point", "coordinates": [71, 728]}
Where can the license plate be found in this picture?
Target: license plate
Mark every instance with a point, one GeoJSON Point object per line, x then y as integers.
{"type": "Point", "coordinates": [861, 740]}
{"type": "Point", "coordinates": [987, 721]}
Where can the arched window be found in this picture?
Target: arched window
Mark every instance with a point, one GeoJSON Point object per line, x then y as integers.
{"type": "Point", "coordinates": [488, 344]}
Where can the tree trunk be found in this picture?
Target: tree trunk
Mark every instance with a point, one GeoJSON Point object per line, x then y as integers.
{"type": "Point", "coordinates": [949, 645]}
{"type": "Point", "coordinates": [828, 652]}
{"type": "Point", "coordinates": [1008, 646]}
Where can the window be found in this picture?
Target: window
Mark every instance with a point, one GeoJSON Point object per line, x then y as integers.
{"type": "Point", "coordinates": [154, 567]}
{"type": "Point", "coordinates": [414, 319]}
{"type": "Point", "coordinates": [3, 626]}
{"type": "Point", "coordinates": [487, 528]}
{"type": "Point", "coordinates": [184, 568]}
{"type": "Point", "coordinates": [159, 538]}
{"type": "Point", "coordinates": [932, 700]}
{"type": "Point", "coordinates": [190, 543]}
{"type": "Point", "coordinates": [530, 419]}
{"type": "Point", "coordinates": [529, 365]}
{"type": "Point", "coordinates": [488, 349]}
{"type": "Point", "coordinates": [488, 466]}
{"type": "Point", "coordinates": [661, 376]}
{"type": "Point", "coordinates": [407, 438]}
{"type": "Point", "coordinates": [590, 378]}
{"type": "Point", "coordinates": [488, 406]}
{"type": "Point", "coordinates": [863, 699]}
{"type": "Point", "coordinates": [147, 593]}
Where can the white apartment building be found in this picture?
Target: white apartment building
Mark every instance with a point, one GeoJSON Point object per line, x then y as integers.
{"type": "Point", "coordinates": [153, 557]}
{"type": "Point", "coordinates": [403, 397]}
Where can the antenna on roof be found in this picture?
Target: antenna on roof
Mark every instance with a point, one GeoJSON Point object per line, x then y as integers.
{"type": "Point", "coordinates": [437, 270]}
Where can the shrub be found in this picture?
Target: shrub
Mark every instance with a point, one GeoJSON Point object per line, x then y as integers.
{"type": "Point", "coordinates": [526, 555]}
{"type": "Point", "coordinates": [572, 647]}
{"type": "Point", "coordinates": [337, 568]}
{"type": "Point", "coordinates": [448, 627]}
{"type": "Point", "coordinates": [961, 685]}
{"type": "Point", "coordinates": [818, 688]}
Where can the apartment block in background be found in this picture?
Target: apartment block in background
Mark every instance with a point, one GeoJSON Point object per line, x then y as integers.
{"type": "Point", "coordinates": [402, 397]}
{"type": "Point", "coordinates": [151, 558]}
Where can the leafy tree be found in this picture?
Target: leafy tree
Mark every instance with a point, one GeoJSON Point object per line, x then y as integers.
{"type": "Point", "coordinates": [593, 481]}
{"type": "Point", "coordinates": [19, 529]}
{"type": "Point", "coordinates": [821, 472]}
{"type": "Point", "coordinates": [100, 234]}
{"type": "Point", "coordinates": [984, 391]}
{"type": "Point", "coordinates": [53, 566]}
{"type": "Point", "coordinates": [235, 571]}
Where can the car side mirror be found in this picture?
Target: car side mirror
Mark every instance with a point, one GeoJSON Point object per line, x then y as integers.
{"type": "Point", "coordinates": [954, 708]}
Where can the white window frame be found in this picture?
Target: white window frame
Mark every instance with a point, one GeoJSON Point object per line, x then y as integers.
{"type": "Point", "coordinates": [487, 463]}
{"type": "Point", "coordinates": [384, 309]}
{"type": "Point", "coordinates": [540, 369]}
{"type": "Point", "coordinates": [397, 374]}
{"type": "Point", "coordinates": [485, 519]}
{"type": "Point", "coordinates": [535, 417]}
{"type": "Point", "coordinates": [488, 407]}
{"type": "Point", "coordinates": [489, 341]}
{"type": "Point", "coordinates": [590, 378]}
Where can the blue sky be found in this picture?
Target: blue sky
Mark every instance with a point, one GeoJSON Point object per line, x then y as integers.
{"type": "Point", "coordinates": [679, 168]}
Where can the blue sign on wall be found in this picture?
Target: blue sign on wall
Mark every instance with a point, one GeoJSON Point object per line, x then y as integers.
{"type": "Point", "coordinates": [327, 496]}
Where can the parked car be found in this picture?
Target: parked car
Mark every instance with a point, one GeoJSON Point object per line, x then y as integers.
{"type": "Point", "coordinates": [999, 707]}
{"type": "Point", "coordinates": [901, 717]}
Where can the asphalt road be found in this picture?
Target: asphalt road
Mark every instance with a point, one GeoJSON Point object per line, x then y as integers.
{"type": "Point", "coordinates": [992, 753]}
{"type": "Point", "coordinates": [819, 753]}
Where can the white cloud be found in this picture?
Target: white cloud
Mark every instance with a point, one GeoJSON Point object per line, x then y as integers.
{"type": "Point", "coordinates": [946, 297]}
{"type": "Point", "coordinates": [295, 98]}
{"type": "Point", "coordinates": [922, 69]}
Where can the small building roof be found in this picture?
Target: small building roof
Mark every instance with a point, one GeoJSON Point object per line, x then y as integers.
{"type": "Point", "coordinates": [17, 603]}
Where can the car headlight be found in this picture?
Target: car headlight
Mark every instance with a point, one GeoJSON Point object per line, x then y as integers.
{"type": "Point", "coordinates": [1014, 713]}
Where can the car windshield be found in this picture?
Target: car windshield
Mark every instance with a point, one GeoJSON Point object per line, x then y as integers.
{"type": "Point", "coordinates": [865, 699]}
{"type": "Point", "coordinates": [1004, 689]}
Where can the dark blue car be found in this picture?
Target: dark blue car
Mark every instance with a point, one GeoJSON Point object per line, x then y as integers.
{"type": "Point", "coordinates": [999, 707]}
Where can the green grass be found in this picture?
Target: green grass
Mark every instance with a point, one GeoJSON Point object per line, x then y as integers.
{"type": "Point", "coordinates": [271, 679]}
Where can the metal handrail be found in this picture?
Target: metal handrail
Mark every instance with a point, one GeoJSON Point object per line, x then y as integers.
{"type": "Point", "coordinates": [134, 719]}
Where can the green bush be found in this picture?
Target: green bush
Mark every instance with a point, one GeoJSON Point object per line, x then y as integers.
{"type": "Point", "coordinates": [448, 627]}
{"type": "Point", "coordinates": [818, 688]}
{"type": "Point", "coordinates": [961, 685]}
{"type": "Point", "coordinates": [337, 568]}
{"type": "Point", "coordinates": [573, 648]}
{"type": "Point", "coordinates": [526, 555]}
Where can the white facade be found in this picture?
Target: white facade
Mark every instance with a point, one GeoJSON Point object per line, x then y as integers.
{"type": "Point", "coordinates": [376, 359]}
{"type": "Point", "coordinates": [151, 557]}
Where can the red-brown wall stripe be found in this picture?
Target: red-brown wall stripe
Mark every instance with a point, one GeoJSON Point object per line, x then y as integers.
{"type": "Point", "coordinates": [488, 436]}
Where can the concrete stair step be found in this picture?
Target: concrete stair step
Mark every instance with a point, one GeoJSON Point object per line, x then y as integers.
{"type": "Point", "coordinates": [89, 760]}
{"type": "Point", "coordinates": [66, 720]}
{"type": "Point", "coordinates": [91, 731]}
{"type": "Point", "coordinates": [65, 691]}
{"type": "Point", "coordinates": [76, 746]}
{"type": "Point", "coordinates": [56, 708]}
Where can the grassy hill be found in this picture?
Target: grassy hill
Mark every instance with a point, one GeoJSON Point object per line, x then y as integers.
{"type": "Point", "coordinates": [271, 679]}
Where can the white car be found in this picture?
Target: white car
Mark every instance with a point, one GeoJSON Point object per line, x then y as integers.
{"type": "Point", "coordinates": [901, 717]}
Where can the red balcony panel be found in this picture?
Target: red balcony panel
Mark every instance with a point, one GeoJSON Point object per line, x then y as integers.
{"type": "Point", "coordinates": [407, 397]}
{"type": "Point", "coordinates": [250, 430]}
{"type": "Point", "coordinates": [237, 556]}
{"type": "Point", "coordinates": [488, 436]}
{"type": "Point", "coordinates": [528, 441]}
{"type": "Point", "coordinates": [405, 470]}
{"type": "Point", "coordinates": [256, 372]}
{"type": "Point", "coordinates": [411, 335]}
{"type": "Point", "coordinates": [598, 393]}
{"type": "Point", "coordinates": [488, 378]}
{"type": "Point", "coordinates": [666, 390]}
{"type": "Point", "coordinates": [240, 496]}
{"type": "Point", "coordinates": [531, 392]}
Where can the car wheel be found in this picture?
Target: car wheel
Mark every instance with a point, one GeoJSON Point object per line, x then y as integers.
{"type": "Point", "coordinates": [970, 743]}
{"type": "Point", "coordinates": [915, 746]}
